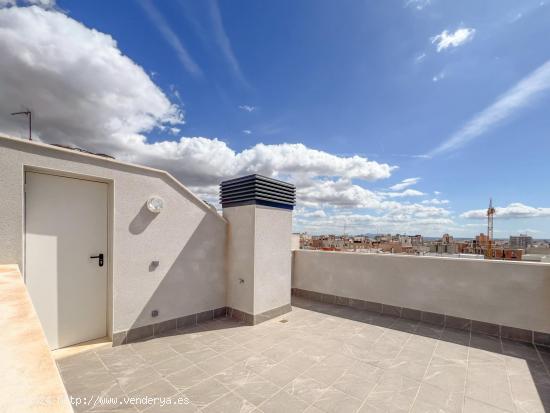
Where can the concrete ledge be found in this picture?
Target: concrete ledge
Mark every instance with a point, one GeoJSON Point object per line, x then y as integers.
{"type": "Point", "coordinates": [443, 320]}
{"type": "Point", "coordinates": [258, 318]}
{"type": "Point", "coordinates": [165, 327]}
{"type": "Point", "coordinates": [30, 379]}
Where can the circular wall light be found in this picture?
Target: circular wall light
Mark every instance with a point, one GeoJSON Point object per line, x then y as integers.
{"type": "Point", "coordinates": [155, 204]}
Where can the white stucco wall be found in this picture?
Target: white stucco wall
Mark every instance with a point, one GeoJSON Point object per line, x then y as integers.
{"type": "Point", "coordinates": [240, 257]}
{"type": "Point", "coordinates": [272, 258]}
{"type": "Point", "coordinates": [187, 237]}
{"type": "Point", "coordinates": [508, 293]}
{"type": "Point", "coordinates": [259, 254]}
{"type": "Point", "coordinates": [295, 242]}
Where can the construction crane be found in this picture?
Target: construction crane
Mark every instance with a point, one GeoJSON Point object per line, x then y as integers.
{"type": "Point", "coordinates": [490, 214]}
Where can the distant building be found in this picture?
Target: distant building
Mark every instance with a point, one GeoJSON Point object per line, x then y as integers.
{"type": "Point", "coordinates": [446, 239]}
{"type": "Point", "coordinates": [500, 253]}
{"type": "Point", "coordinates": [446, 245]}
{"type": "Point", "coordinates": [417, 240]}
{"type": "Point", "coordinates": [520, 241]}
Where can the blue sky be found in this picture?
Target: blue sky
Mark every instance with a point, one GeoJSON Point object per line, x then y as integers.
{"type": "Point", "coordinates": [447, 92]}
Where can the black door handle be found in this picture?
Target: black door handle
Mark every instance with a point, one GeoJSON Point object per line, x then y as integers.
{"type": "Point", "coordinates": [100, 256]}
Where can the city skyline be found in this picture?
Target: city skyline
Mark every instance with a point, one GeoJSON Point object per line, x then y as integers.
{"type": "Point", "coordinates": [404, 127]}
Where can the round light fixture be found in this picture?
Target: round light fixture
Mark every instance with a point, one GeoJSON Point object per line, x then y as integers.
{"type": "Point", "coordinates": [155, 204]}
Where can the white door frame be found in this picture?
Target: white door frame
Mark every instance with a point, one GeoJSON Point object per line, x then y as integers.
{"type": "Point", "coordinates": [110, 259]}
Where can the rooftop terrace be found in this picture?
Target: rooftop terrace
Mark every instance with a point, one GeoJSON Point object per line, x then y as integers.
{"type": "Point", "coordinates": [367, 332]}
{"type": "Point", "coordinates": [318, 358]}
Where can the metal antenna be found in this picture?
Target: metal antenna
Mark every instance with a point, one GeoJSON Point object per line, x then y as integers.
{"type": "Point", "coordinates": [29, 116]}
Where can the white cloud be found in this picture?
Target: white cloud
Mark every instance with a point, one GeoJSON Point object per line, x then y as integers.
{"type": "Point", "coordinates": [440, 76]}
{"type": "Point", "coordinates": [420, 58]}
{"type": "Point", "coordinates": [308, 213]}
{"type": "Point", "coordinates": [200, 161]}
{"type": "Point", "coordinates": [418, 4]}
{"type": "Point", "coordinates": [435, 201]}
{"type": "Point", "coordinates": [59, 60]}
{"type": "Point", "coordinates": [341, 193]}
{"type": "Point", "coordinates": [515, 210]}
{"type": "Point", "coordinates": [444, 40]}
{"type": "Point", "coordinates": [46, 4]}
{"type": "Point", "coordinates": [224, 43]}
{"type": "Point", "coordinates": [403, 194]}
{"type": "Point", "coordinates": [247, 108]}
{"type": "Point", "coordinates": [405, 183]}
{"type": "Point", "coordinates": [406, 221]}
{"type": "Point", "coordinates": [171, 37]}
{"type": "Point", "coordinates": [69, 76]}
{"type": "Point", "coordinates": [529, 231]}
{"type": "Point", "coordinates": [247, 131]}
{"type": "Point", "coordinates": [342, 201]}
{"type": "Point", "coordinates": [515, 99]}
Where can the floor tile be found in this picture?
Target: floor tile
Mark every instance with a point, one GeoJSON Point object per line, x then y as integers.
{"type": "Point", "coordinates": [258, 363]}
{"type": "Point", "coordinates": [325, 358]}
{"type": "Point", "coordinates": [305, 388]}
{"type": "Point", "coordinates": [172, 365]}
{"type": "Point", "coordinates": [222, 344]}
{"type": "Point", "coordinates": [354, 385]}
{"type": "Point", "coordinates": [153, 356]}
{"type": "Point", "coordinates": [160, 388]}
{"type": "Point", "coordinates": [234, 376]}
{"type": "Point", "coordinates": [476, 406]}
{"type": "Point", "coordinates": [256, 389]}
{"type": "Point", "coordinates": [279, 352]}
{"type": "Point", "coordinates": [282, 402]}
{"type": "Point", "coordinates": [447, 377]}
{"type": "Point", "coordinates": [451, 351]}
{"type": "Point", "coordinates": [335, 401]}
{"type": "Point", "coordinates": [199, 354]}
{"type": "Point", "coordinates": [181, 404]}
{"type": "Point", "coordinates": [237, 353]}
{"type": "Point", "coordinates": [230, 403]}
{"type": "Point", "coordinates": [132, 379]}
{"type": "Point", "coordinates": [281, 374]}
{"type": "Point", "coordinates": [326, 373]}
{"type": "Point", "coordinates": [205, 392]}
{"type": "Point", "coordinates": [187, 377]}
{"type": "Point", "coordinates": [393, 393]}
{"type": "Point", "coordinates": [215, 364]}
{"type": "Point", "coordinates": [432, 398]}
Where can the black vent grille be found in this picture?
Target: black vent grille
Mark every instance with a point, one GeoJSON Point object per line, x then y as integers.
{"type": "Point", "coordinates": [259, 190]}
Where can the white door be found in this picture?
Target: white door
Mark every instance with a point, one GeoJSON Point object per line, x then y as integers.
{"type": "Point", "coordinates": [66, 225]}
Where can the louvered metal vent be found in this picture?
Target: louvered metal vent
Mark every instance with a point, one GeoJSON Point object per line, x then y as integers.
{"type": "Point", "coordinates": [259, 190]}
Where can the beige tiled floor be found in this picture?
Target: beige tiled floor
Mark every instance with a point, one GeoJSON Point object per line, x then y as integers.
{"type": "Point", "coordinates": [325, 358]}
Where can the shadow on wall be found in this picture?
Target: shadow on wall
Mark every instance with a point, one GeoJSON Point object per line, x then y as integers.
{"type": "Point", "coordinates": [142, 220]}
{"type": "Point", "coordinates": [195, 281]}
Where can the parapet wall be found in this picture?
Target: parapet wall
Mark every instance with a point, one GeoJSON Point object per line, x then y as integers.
{"type": "Point", "coordinates": [513, 297]}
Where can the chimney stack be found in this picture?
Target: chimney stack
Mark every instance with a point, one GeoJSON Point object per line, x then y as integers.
{"type": "Point", "coordinates": [259, 212]}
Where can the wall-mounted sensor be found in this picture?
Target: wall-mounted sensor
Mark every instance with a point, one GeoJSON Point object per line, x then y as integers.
{"type": "Point", "coordinates": [154, 313]}
{"type": "Point", "coordinates": [155, 204]}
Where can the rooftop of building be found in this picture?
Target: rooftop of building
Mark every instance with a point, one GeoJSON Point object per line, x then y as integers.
{"type": "Point", "coordinates": [318, 358]}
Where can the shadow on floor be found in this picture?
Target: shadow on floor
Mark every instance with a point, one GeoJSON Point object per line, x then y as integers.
{"type": "Point", "coordinates": [536, 358]}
